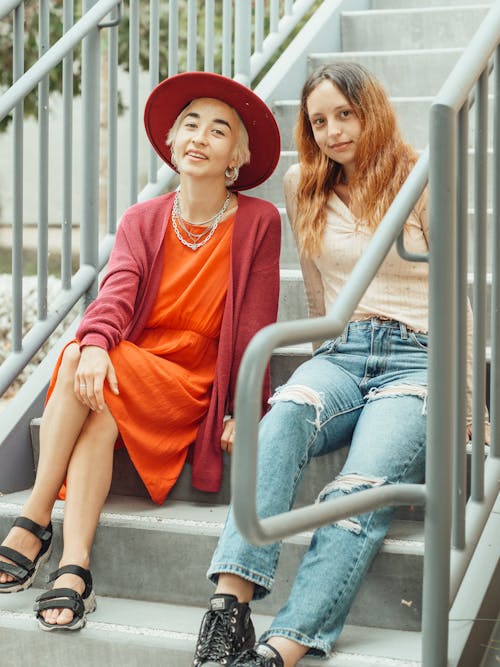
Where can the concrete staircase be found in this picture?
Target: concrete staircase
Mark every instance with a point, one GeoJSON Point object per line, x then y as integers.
{"type": "Point", "coordinates": [149, 562]}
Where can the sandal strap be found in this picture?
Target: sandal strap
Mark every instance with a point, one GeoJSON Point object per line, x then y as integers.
{"type": "Point", "coordinates": [60, 598]}
{"type": "Point", "coordinates": [43, 533]}
{"type": "Point", "coordinates": [74, 569]}
{"type": "Point", "coordinates": [25, 566]}
{"type": "Point", "coordinates": [19, 573]}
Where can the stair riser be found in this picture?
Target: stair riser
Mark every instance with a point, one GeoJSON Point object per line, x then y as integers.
{"type": "Point", "coordinates": [89, 648]}
{"type": "Point", "coordinates": [152, 564]}
{"type": "Point", "coordinates": [415, 74]}
{"type": "Point", "coordinates": [423, 29]}
{"type": "Point", "coordinates": [412, 114]}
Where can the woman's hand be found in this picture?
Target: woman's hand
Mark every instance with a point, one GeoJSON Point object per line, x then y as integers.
{"type": "Point", "coordinates": [487, 432]}
{"type": "Point", "coordinates": [227, 439]}
{"type": "Point", "coordinates": [93, 369]}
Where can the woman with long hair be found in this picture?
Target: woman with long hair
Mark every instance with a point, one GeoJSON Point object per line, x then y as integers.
{"type": "Point", "coordinates": [193, 275]}
{"type": "Point", "coordinates": [366, 389]}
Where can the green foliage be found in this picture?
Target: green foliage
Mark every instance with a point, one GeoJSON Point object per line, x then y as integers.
{"type": "Point", "coordinates": [31, 48]}
{"type": "Point", "coordinates": [31, 45]}
{"type": "Point", "coordinates": [123, 43]}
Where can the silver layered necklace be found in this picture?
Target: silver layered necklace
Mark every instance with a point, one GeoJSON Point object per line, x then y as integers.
{"type": "Point", "coordinates": [195, 241]}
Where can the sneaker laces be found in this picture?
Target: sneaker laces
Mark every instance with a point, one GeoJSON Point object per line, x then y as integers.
{"type": "Point", "coordinates": [215, 637]}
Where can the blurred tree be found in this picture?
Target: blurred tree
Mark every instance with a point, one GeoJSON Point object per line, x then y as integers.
{"type": "Point", "coordinates": [31, 14]}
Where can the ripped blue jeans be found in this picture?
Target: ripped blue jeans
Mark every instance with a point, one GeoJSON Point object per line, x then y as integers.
{"type": "Point", "coordinates": [366, 389]}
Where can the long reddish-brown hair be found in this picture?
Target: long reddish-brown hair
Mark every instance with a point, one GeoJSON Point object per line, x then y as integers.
{"type": "Point", "coordinates": [383, 160]}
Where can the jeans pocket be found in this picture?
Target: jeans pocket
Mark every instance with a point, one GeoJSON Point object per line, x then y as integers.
{"type": "Point", "coordinates": [328, 346]}
{"type": "Point", "coordinates": [419, 340]}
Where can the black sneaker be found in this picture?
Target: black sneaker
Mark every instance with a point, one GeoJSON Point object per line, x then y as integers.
{"type": "Point", "coordinates": [226, 631]}
{"type": "Point", "coordinates": [262, 655]}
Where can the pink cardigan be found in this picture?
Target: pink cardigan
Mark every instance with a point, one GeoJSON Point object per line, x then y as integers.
{"type": "Point", "coordinates": [129, 290]}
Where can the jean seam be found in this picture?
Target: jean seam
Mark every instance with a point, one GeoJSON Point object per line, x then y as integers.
{"type": "Point", "coordinates": [338, 603]}
{"type": "Point", "coordinates": [257, 578]}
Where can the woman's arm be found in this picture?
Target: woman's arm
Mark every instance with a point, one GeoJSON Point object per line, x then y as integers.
{"type": "Point", "coordinates": [313, 284]}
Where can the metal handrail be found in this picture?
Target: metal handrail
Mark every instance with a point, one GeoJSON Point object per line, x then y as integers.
{"type": "Point", "coordinates": [8, 6]}
{"type": "Point", "coordinates": [258, 354]}
{"type": "Point", "coordinates": [51, 58]}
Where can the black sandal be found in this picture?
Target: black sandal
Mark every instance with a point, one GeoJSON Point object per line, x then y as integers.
{"type": "Point", "coordinates": [67, 598]}
{"type": "Point", "coordinates": [23, 569]}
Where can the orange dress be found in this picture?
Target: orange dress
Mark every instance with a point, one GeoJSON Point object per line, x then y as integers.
{"type": "Point", "coordinates": [165, 378]}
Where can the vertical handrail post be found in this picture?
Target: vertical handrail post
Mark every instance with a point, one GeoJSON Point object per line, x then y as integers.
{"type": "Point", "coordinates": [242, 42]}
{"type": "Point", "coordinates": [479, 290]}
{"type": "Point", "coordinates": [154, 69]}
{"type": "Point", "coordinates": [43, 164]}
{"type": "Point", "coordinates": [227, 37]}
{"type": "Point", "coordinates": [111, 213]}
{"type": "Point", "coordinates": [192, 46]}
{"type": "Point", "coordinates": [67, 177]}
{"type": "Point", "coordinates": [17, 222]}
{"type": "Point", "coordinates": [459, 388]}
{"type": "Point", "coordinates": [173, 37]}
{"type": "Point", "coordinates": [208, 58]}
{"type": "Point", "coordinates": [495, 280]}
{"type": "Point", "coordinates": [134, 100]}
{"type": "Point", "coordinates": [442, 345]}
{"type": "Point", "coordinates": [274, 17]}
{"type": "Point", "coordinates": [259, 25]}
{"type": "Point", "coordinates": [89, 235]}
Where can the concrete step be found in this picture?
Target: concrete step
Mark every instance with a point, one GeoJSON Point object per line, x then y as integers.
{"type": "Point", "coordinates": [290, 259]}
{"type": "Point", "coordinates": [139, 548]}
{"type": "Point", "coordinates": [127, 633]}
{"type": "Point", "coordinates": [412, 113]}
{"type": "Point", "coordinates": [272, 189]}
{"type": "Point", "coordinates": [408, 73]}
{"type": "Point", "coordinates": [396, 4]}
{"type": "Point", "coordinates": [404, 27]}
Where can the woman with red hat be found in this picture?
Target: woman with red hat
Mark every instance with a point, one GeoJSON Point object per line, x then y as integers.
{"type": "Point", "coordinates": [193, 275]}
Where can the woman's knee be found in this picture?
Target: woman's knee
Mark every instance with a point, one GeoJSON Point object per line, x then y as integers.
{"type": "Point", "coordinates": [69, 362]}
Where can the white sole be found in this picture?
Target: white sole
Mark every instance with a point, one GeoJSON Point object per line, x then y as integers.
{"type": "Point", "coordinates": [16, 588]}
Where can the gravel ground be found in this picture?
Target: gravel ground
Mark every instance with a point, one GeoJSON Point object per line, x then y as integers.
{"type": "Point", "coordinates": [29, 318]}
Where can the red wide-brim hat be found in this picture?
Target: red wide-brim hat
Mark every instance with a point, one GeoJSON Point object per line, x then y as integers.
{"type": "Point", "coordinates": [167, 100]}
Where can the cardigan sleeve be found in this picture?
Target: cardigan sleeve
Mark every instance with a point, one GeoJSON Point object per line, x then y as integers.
{"type": "Point", "coordinates": [107, 318]}
{"type": "Point", "coordinates": [260, 303]}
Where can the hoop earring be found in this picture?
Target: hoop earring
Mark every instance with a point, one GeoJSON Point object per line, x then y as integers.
{"type": "Point", "coordinates": [172, 157]}
{"type": "Point", "coordinates": [231, 175]}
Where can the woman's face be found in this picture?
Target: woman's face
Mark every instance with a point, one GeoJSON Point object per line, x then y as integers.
{"type": "Point", "coordinates": [335, 125]}
{"type": "Point", "coordinates": [205, 141]}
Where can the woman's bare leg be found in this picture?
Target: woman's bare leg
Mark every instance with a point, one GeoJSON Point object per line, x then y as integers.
{"type": "Point", "coordinates": [290, 651]}
{"type": "Point", "coordinates": [87, 486]}
{"type": "Point", "coordinates": [232, 584]}
{"type": "Point", "coordinates": [60, 427]}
